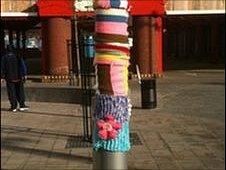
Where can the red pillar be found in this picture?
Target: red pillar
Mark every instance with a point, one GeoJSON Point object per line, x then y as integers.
{"type": "Point", "coordinates": [156, 46]}
{"type": "Point", "coordinates": [141, 42]}
{"type": "Point", "coordinates": [148, 44]}
{"type": "Point", "coordinates": [152, 46]}
{"type": "Point", "coordinates": [159, 46]}
{"type": "Point", "coordinates": [55, 34]}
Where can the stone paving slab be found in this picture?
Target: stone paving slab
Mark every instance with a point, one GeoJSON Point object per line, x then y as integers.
{"type": "Point", "coordinates": [174, 136]}
{"type": "Point", "coordinates": [33, 148]}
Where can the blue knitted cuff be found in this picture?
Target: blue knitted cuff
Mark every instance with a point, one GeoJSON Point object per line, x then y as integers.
{"type": "Point", "coordinates": [117, 106]}
{"type": "Point", "coordinates": [119, 4]}
{"type": "Point", "coordinates": [119, 144]}
{"type": "Point", "coordinates": [111, 18]}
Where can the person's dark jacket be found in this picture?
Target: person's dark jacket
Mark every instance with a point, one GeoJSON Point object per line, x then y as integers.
{"type": "Point", "coordinates": [12, 67]}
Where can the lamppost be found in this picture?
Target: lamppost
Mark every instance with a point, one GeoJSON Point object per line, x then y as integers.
{"type": "Point", "coordinates": [111, 116]}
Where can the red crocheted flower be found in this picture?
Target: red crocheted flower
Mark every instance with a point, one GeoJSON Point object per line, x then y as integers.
{"type": "Point", "coordinates": [108, 127]}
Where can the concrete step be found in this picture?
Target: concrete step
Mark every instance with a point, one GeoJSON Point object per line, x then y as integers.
{"type": "Point", "coordinates": [58, 93]}
{"type": "Point", "coordinates": [54, 118]}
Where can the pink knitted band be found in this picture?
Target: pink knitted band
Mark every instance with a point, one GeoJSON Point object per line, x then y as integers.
{"type": "Point", "coordinates": [111, 28]}
{"type": "Point", "coordinates": [119, 62]}
{"type": "Point", "coordinates": [102, 4]}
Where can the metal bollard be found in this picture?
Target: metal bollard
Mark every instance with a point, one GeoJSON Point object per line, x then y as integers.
{"type": "Point", "coordinates": [105, 160]}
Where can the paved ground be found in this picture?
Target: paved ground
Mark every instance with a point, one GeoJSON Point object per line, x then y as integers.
{"type": "Point", "coordinates": [185, 131]}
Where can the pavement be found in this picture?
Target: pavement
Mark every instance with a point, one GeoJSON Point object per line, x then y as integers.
{"type": "Point", "coordinates": [184, 132]}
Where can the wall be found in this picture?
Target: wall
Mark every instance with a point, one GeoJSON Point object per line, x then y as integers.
{"type": "Point", "coordinates": [195, 4]}
{"type": "Point", "coordinates": [17, 5]}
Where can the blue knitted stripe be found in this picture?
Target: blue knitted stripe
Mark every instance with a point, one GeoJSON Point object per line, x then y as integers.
{"type": "Point", "coordinates": [120, 144]}
{"type": "Point", "coordinates": [111, 18]}
{"type": "Point", "coordinates": [115, 3]}
{"type": "Point", "coordinates": [118, 106]}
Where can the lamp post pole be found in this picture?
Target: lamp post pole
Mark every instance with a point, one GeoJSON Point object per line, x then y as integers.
{"type": "Point", "coordinates": [104, 160]}
{"type": "Point", "coordinates": [112, 106]}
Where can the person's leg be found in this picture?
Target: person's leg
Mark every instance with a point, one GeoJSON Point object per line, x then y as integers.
{"type": "Point", "coordinates": [20, 93]}
{"type": "Point", "coordinates": [11, 89]}
{"type": "Point", "coordinates": [21, 96]}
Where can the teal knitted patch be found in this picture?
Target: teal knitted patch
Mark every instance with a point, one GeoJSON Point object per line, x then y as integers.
{"type": "Point", "coordinates": [120, 144]}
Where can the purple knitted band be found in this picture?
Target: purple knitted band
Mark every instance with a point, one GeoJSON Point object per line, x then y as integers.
{"type": "Point", "coordinates": [118, 106]}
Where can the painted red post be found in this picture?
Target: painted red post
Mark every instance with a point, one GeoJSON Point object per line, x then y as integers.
{"type": "Point", "coordinates": [56, 32]}
{"type": "Point", "coordinates": [152, 45]}
{"type": "Point", "coordinates": [142, 39]}
{"type": "Point", "coordinates": [149, 57]}
{"type": "Point", "coordinates": [159, 45]}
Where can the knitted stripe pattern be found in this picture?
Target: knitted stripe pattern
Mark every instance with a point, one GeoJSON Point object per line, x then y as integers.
{"type": "Point", "coordinates": [110, 62]}
{"type": "Point", "coordinates": [112, 18]}
{"type": "Point", "coordinates": [112, 11]}
{"type": "Point", "coordinates": [120, 144]}
{"type": "Point", "coordinates": [112, 107]}
{"type": "Point", "coordinates": [106, 47]}
{"type": "Point", "coordinates": [115, 78]}
{"type": "Point", "coordinates": [110, 58]}
{"type": "Point", "coordinates": [111, 28]}
{"type": "Point", "coordinates": [110, 4]}
{"type": "Point", "coordinates": [125, 45]}
{"type": "Point", "coordinates": [110, 38]}
{"type": "Point", "coordinates": [113, 53]}
{"type": "Point", "coordinates": [118, 106]}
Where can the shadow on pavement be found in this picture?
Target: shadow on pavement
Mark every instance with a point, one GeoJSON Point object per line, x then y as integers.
{"type": "Point", "coordinates": [43, 113]}
{"type": "Point", "coordinates": [51, 154]}
{"type": "Point", "coordinates": [34, 131]}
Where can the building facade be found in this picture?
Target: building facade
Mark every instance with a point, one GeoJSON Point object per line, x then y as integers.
{"type": "Point", "coordinates": [189, 33]}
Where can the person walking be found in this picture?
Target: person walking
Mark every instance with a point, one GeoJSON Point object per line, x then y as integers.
{"type": "Point", "coordinates": [14, 71]}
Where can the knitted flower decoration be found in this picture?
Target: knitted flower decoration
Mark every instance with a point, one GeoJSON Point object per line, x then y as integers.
{"type": "Point", "coordinates": [108, 127]}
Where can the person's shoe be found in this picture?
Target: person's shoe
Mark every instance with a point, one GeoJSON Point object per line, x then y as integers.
{"type": "Point", "coordinates": [23, 108]}
{"type": "Point", "coordinates": [13, 110]}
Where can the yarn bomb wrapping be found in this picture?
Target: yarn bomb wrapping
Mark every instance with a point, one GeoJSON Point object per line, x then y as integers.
{"type": "Point", "coordinates": [120, 144]}
{"type": "Point", "coordinates": [117, 106]}
{"type": "Point", "coordinates": [108, 127]}
{"type": "Point", "coordinates": [106, 4]}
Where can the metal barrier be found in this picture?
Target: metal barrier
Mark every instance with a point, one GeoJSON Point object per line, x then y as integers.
{"type": "Point", "coordinates": [87, 83]}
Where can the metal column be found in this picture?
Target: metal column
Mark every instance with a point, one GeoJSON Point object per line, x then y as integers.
{"type": "Point", "coordinates": [104, 160]}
